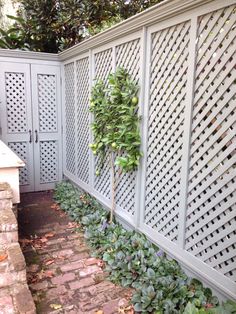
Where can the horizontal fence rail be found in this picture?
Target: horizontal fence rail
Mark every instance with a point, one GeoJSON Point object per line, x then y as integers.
{"type": "Point", "coordinates": [182, 54]}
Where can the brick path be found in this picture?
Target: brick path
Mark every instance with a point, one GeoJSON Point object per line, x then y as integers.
{"type": "Point", "coordinates": [62, 275]}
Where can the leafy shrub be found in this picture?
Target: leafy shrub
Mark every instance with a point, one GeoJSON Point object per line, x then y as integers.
{"type": "Point", "coordinates": [161, 286]}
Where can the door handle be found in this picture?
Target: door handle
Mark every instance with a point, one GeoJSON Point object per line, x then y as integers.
{"type": "Point", "coordinates": [30, 136]}
{"type": "Point", "coordinates": [36, 136]}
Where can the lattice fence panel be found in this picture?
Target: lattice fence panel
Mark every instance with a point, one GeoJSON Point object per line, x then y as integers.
{"type": "Point", "coordinates": [21, 149]}
{"type": "Point", "coordinates": [128, 57]}
{"type": "Point", "coordinates": [103, 66]}
{"type": "Point", "coordinates": [48, 161]}
{"type": "Point", "coordinates": [47, 106]}
{"type": "Point", "coordinates": [211, 218]}
{"type": "Point", "coordinates": [168, 77]}
{"type": "Point", "coordinates": [70, 117]}
{"type": "Point", "coordinates": [16, 102]}
{"type": "Point", "coordinates": [83, 123]}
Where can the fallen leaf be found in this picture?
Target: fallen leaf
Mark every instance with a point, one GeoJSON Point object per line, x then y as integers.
{"type": "Point", "coordinates": [56, 306]}
{"type": "Point", "coordinates": [43, 240]}
{"type": "Point", "coordinates": [55, 206]}
{"type": "Point", "coordinates": [72, 225]}
{"type": "Point", "coordinates": [48, 274]}
{"type": "Point", "coordinates": [49, 235]}
{"type": "Point", "coordinates": [101, 264]}
{"type": "Point", "coordinates": [49, 262]}
{"type": "Point", "coordinates": [3, 257]}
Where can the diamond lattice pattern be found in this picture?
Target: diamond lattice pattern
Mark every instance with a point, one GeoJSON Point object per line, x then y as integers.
{"type": "Point", "coordinates": [21, 149]}
{"type": "Point", "coordinates": [103, 66]}
{"type": "Point", "coordinates": [16, 102]}
{"type": "Point", "coordinates": [211, 219]}
{"type": "Point", "coordinates": [169, 65]}
{"type": "Point", "coordinates": [70, 117]}
{"type": "Point", "coordinates": [83, 124]}
{"type": "Point", "coordinates": [48, 161]}
{"type": "Point", "coordinates": [47, 105]}
{"type": "Point", "coordinates": [128, 57]}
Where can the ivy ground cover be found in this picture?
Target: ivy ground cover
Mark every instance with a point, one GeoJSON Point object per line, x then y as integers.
{"type": "Point", "coordinates": [161, 286]}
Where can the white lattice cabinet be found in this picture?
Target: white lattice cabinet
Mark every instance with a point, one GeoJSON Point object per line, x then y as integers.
{"type": "Point", "coordinates": [31, 122]}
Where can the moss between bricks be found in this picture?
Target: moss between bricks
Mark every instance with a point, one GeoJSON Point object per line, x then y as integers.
{"type": "Point", "coordinates": [133, 261]}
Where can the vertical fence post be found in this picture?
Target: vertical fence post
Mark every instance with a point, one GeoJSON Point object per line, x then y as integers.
{"type": "Point", "coordinates": [187, 132]}
{"type": "Point", "coordinates": [138, 186]}
{"type": "Point", "coordinates": [63, 118]}
{"type": "Point", "coordinates": [146, 57]}
{"type": "Point", "coordinates": [91, 157]}
{"type": "Point", "coordinates": [76, 119]}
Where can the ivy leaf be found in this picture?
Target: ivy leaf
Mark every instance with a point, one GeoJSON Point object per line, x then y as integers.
{"type": "Point", "coordinates": [151, 273]}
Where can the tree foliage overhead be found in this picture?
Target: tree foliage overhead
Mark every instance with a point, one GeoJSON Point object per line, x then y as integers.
{"type": "Point", "coordinates": [54, 25]}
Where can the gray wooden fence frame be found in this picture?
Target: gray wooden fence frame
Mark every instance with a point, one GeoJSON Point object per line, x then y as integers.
{"type": "Point", "coordinates": [134, 40]}
{"type": "Point", "coordinates": [183, 195]}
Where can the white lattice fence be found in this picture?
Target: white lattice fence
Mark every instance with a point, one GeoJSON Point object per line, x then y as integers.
{"type": "Point", "coordinates": [128, 57]}
{"type": "Point", "coordinates": [70, 115]}
{"type": "Point", "coordinates": [83, 122]}
{"type": "Point", "coordinates": [168, 77]}
{"type": "Point", "coordinates": [211, 219]}
{"type": "Point", "coordinates": [103, 67]}
{"type": "Point", "coordinates": [183, 195]}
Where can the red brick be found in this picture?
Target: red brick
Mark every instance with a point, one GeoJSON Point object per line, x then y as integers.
{"type": "Point", "coordinates": [56, 241]}
{"type": "Point", "coordinates": [6, 280]}
{"type": "Point", "coordinates": [63, 278]}
{"type": "Point", "coordinates": [39, 286]}
{"type": "Point", "coordinates": [8, 221]}
{"type": "Point", "coordinates": [102, 287]}
{"type": "Point", "coordinates": [92, 261]}
{"type": "Point", "coordinates": [89, 270]}
{"type": "Point", "coordinates": [82, 283]}
{"type": "Point", "coordinates": [24, 301]}
{"type": "Point", "coordinates": [7, 306]}
{"type": "Point", "coordinates": [72, 266]}
{"type": "Point", "coordinates": [111, 307]}
{"type": "Point", "coordinates": [54, 292]}
{"type": "Point", "coordinates": [75, 236]}
{"type": "Point", "coordinates": [16, 257]}
{"type": "Point", "coordinates": [62, 253]}
{"type": "Point", "coordinates": [79, 257]}
{"type": "Point", "coordinates": [19, 276]}
{"type": "Point", "coordinates": [48, 249]}
{"type": "Point", "coordinates": [8, 237]}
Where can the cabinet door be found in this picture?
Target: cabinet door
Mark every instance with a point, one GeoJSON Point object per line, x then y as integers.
{"type": "Point", "coordinates": [46, 98]}
{"type": "Point", "coordinates": [16, 117]}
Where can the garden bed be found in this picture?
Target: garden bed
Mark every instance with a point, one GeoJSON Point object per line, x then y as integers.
{"type": "Point", "coordinates": [161, 286]}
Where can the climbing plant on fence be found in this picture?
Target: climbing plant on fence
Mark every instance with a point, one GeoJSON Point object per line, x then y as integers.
{"type": "Point", "coordinates": [116, 125]}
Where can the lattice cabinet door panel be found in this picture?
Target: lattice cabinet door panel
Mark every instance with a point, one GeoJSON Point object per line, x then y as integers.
{"type": "Point", "coordinates": [15, 117]}
{"type": "Point", "coordinates": [47, 125]}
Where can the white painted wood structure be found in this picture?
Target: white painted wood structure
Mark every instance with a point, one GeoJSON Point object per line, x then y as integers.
{"type": "Point", "coordinates": [10, 164]}
{"type": "Point", "coordinates": [182, 53]}
{"type": "Point", "coordinates": [31, 118]}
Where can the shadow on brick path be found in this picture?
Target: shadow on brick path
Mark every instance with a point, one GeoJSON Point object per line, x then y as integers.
{"type": "Point", "coordinates": [62, 275]}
